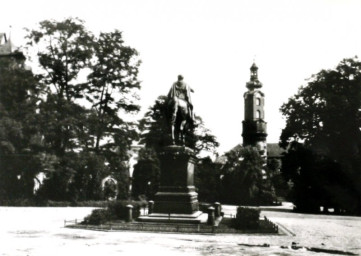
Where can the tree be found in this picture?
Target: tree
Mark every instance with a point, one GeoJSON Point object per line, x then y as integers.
{"type": "Point", "coordinates": [112, 91]}
{"type": "Point", "coordinates": [242, 181]}
{"type": "Point", "coordinates": [86, 115]}
{"type": "Point", "coordinates": [325, 117]}
{"type": "Point", "coordinates": [155, 129]}
{"type": "Point", "coordinates": [65, 50]}
{"type": "Point", "coordinates": [21, 151]}
{"type": "Point", "coordinates": [207, 180]}
{"type": "Point", "coordinates": [146, 175]}
{"type": "Point", "coordinates": [276, 178]}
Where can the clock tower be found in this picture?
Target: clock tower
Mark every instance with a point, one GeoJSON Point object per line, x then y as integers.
{"type": "Point", "coordinates": [254, 125]}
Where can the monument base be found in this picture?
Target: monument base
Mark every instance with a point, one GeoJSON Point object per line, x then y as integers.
{"type": "Point", "coordinates": [176, 201]}
{"type": "Point", "coordinates": [176, 193]}
{"type": "Point", "coordinates": [194, 218]}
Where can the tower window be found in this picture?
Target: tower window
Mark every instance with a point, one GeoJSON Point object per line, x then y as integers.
{"type": "Point", "coordinates": [258, 101]}
{"type": "Point", "coordinates": [258, 114]}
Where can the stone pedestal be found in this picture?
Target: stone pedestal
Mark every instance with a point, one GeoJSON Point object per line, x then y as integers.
{"type": "Point", "coordinates": [176, 200]}
{"type": "Point", "coordinates": [176, 192]}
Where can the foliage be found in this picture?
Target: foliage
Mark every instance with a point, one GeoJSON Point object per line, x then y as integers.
{"type": "Point", "coordinates": [207, 181]}
{"type": "Point", "coordinates": [112, 90]}
{"type": "Point", "coordinates": [21, 149]}
{"type": "Point", "coordinates": [318, 181]}
{"type": "Point", "coordinates": [116, 210]}
{"type": "Point", "coordinates": [97, 217]}
{"type": "Point", "coordinates": [90, 86]}
{"type": "Point", "coordinates": [246, 218]}
{"type": "Point", "coordinates": [65, 50]}
{"type": "Point", "coordinates": [276, 178]}
{"type": "Point", "coordinates": [242, 181]}
{"type": "Point", "coordinates": [155, 128]}
{"type": "Point", "coordinates": [119, 209]}
{"type": "Point", "coordinates": [325, 116]}
{"type": "Point", "coordinates": [146, 174]}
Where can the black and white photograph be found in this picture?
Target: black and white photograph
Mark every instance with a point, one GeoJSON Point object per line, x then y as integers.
{"type": "Point", "coordinates": [180, 127]}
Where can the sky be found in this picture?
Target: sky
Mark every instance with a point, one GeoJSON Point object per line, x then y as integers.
{"type": "Point", "coordinates": [213, 43]}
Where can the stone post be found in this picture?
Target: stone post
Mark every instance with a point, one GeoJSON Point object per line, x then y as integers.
{"type": "Point", "coordinates": [210, 220]}
{"type": "Point", "coordinates": [129, 213]}
{"type": "Point", "coordinates": [218, 208]}
{"type": "Point", "coordinates": [150, 207]}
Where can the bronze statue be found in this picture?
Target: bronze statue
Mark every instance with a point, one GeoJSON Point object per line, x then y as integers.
{"type": "Point", "coordinates": [180, 103]}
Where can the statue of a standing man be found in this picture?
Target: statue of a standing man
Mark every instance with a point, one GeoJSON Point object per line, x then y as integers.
{"type": "Point", "coordinates": [179, 98]}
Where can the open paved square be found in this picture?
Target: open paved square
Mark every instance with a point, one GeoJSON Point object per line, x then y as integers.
{"type": "Point", "coordinates": [39, 231]}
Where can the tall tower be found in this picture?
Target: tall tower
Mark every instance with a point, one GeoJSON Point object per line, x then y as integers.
{"type": "Point", "coordinates": [254, 127]}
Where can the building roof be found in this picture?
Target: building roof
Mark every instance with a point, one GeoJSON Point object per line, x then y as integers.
{"type": "Point", "coordinates": [221, 160]}
{"type": "Point", "coordinates": [274, 150]}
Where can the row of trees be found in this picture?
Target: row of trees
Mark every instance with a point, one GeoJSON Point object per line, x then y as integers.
{"type": "Point", "coordinates": [67, 120]}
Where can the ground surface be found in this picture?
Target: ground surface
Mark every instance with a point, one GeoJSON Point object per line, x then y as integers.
{"type": "Point", "coordinates": [39, 231]}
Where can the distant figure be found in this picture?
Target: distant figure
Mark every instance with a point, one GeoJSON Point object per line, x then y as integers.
{"type": "Point", "coordinates": [179, 98]}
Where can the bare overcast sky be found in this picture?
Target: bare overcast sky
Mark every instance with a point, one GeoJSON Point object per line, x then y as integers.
{"type": "Point", "coordinates": [213, 44]}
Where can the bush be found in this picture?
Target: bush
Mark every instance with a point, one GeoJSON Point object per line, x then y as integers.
{"type": "Point", "coordinates": [116, 210]}
{"type": "Point", "coordinates": [97, 217]}
{"type": "Point", "coordinates": [119, 208]}
{"type": "Point", "coordinates": [247, 218]}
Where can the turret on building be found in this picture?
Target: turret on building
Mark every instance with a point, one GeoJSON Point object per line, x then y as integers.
{"type": "Point", "coordinates": [254, 125]}
{"type": "Point", "coordinates": [5, 45]}
{"type": "Point", "coordinates": [8, 51]}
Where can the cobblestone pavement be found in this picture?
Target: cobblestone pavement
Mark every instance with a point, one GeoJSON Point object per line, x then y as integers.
{"type": "Point", "coordinates": [39, 231]}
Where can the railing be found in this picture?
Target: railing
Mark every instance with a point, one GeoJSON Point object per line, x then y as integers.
{"type": "Point", "coordinates": [168, 227]}
{"type": "Point", "coordinates": [270, 224]}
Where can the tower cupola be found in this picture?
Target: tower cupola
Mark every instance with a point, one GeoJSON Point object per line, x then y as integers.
{"type": "Point", "coordinates": [254, 83]}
